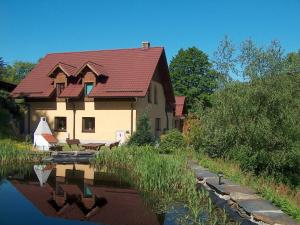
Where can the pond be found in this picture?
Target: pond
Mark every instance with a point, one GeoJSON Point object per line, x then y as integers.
{"type": "Point", "coordinates": [72, 194]}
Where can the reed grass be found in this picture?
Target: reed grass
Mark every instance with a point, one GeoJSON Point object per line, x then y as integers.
{"type": "Point", "coordinates": [13, 152]}
{"type": "Point", "coordinates": [165, 181]}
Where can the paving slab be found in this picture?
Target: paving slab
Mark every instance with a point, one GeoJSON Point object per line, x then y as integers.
{"type": "Point", "coordinates": [227, 187]}
{"type": "Point", "coordinates": [263, 210]}
{"type": "Point", "coordinates": [244, 197]}
{"type": "Point", "coordinates": [274, 218]}
{"type": "Point", "coordinates": [236, 196]}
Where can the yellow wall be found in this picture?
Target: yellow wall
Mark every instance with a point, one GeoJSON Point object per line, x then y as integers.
{"type": "Point", "coordinates": [89, 171]}
{"type": "Point", "coordinates": [110, 116]}
{"type": "Point", "coordinates": [155, 110]}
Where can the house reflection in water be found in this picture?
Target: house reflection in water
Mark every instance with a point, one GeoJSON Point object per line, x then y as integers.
{"type": "Point", "coordinates": [80, 192]}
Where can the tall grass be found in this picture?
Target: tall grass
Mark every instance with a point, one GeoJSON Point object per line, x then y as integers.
{"type": "Point", "coordinates": [17, 152]}
{"type": "Point", "coordinates": [165, 180]}
{"type": "Point", "coordinates": [283, 196]}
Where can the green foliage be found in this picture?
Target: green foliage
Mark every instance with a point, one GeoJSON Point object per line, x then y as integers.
{"type": "Point", "coordinates": [166, 179]}
{"type": "Point", "coordinates": [16, 72]}
{"type": "Point", "coordinates": [172, 141]}
{"type": "Point", "coordinates": [293, 61]}
{"type": "Point", "coordinates": [17, 152]}
{"type": "Point", "coordinates": [256, 123]}
{"type": "Point", "coordinates": [143, 135]}
{"type": "Point", "coordinates": [192, 76]}
{"type": "Point", "coordinates": [249, 60]}
{"type": "Point", "coordinates": [2, 67]}
{"type": "Point", "coordinates": [9, 111]}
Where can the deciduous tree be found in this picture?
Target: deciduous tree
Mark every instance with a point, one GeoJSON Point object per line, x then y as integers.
{"type": "Point", "coordinates": [192, 76]}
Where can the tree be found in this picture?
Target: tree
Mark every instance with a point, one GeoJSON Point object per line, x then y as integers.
{"type": "Point", "coordinates": [293, 62]}
{"type": "Point", "coordinates": [192, 76]}
{"type": "Point", "coordinates": [2, 67]}
{"type": "Point", "coordinates": [256, 123]}
{"type": "Point", "coordinates": [224, 60]}
{"type": "Point", "coordinates": [143, 135]}
{"type": "Point", "coordinates": [17, 71]}
{"type": "Point", "coordinates": [257, 62]}
{"type": "Point", "coordinates": [249, 60]}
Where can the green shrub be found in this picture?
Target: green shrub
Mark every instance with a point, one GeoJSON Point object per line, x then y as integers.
{"type": "Point", "coordinates": [256, 123]}
{"type": "Point", "coordinates": [143, 135]}
{"type": "Point", "coordinates": [171, 141]}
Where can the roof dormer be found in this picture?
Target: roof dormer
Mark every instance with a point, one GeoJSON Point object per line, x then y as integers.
{"type": "Point", "coordinates": [97, 69]}
{"type": "Point", "coordinates": [67, 69]}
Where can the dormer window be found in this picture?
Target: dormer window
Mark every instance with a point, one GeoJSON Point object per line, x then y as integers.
{"type": "Point", "coordinates": [59, 88]}
{"type": "Point", "coordinates": [87, 88]}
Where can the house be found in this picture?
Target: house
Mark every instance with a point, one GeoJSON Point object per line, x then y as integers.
{"type": "Point", "coordinates": [98, 96]}
{"type": "Point", "coordinates": [180, 112]}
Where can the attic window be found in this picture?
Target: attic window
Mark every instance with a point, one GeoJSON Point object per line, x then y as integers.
{"type": "Point", "coordinates": [88, 88]}
{"type": "Point", "coordinates": [59, 88]}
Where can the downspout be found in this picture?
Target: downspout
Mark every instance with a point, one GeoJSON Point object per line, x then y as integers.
{"type": "Point", "coordinates": [167, 120]}
{"type": "Point", "coordinates": [74, 113]}
{"type": "Point", "coordinates": [131, 116]}
{"type": "Point", "coordinates": [28, 118]}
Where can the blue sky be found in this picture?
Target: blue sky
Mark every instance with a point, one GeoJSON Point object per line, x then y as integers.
{"type": "Point", "coordinates": [32, 28]}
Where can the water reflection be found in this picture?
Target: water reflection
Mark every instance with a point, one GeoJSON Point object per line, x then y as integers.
{"type": "Point", "coordinates": [81, 192]}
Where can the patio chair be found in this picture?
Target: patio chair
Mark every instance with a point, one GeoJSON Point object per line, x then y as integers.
{"type": "Point", "coordinates": [114, 144]}
{"type": "Point", "coordinates": [56, 148]}
{"type": "Point", "coordinates": [72, 142]}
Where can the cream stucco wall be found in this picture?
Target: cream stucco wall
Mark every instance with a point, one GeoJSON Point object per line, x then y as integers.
{"type": "Point", "coordinates": [155, 110]}
{"type": "Point", "coordinates": [110, 117]}
{"type": "Point", "coordinates": [89, 171]}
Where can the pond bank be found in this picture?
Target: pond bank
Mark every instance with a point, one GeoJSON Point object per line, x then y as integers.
{"type": "Point", "coordinates": [242, 199]}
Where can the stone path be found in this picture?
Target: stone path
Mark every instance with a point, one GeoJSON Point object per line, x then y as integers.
{"type": "Point", "coordinates": [242, 198]}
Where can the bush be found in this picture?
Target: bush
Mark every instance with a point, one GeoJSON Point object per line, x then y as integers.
{"type": "Point", "coordinates": [256, 123]}
{"type": "Point", "coordinates": [143, 135]}
{"type": "Point", "coordinates": [172, 141]}
{"type": "Point", "coordinates": [9, 111]}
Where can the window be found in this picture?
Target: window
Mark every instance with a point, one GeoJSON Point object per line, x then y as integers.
{"type": "Point", "coordinates": [157, 124]}
{"type": "Point", "coordinates": [155, 95]}
{"type": "Point", "coordinates": [59, 88]}
{"type": "Point", "coordinates": [88, 124]}
{"type": "Point", "coordinates": [60, 124]}
{"type": "Point", "coordinates": [87, 88]}
{"type": "Point", "coordinates": [149, 94]}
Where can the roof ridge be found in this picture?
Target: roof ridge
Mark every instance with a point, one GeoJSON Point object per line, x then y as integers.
{"type": "Point", "coordinates": [65, 64]}
{"type": "Point", "coordinates": [106, 50]}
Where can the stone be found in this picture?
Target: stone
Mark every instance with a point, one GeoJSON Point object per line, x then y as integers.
{"type": "Point", "coordinates": [235, 196]}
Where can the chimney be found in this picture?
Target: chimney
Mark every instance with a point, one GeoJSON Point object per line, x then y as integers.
{"type": "Point", "coordinates": [145, 44]}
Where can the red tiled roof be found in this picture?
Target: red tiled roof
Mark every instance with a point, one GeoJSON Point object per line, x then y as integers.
{"type": "Point", "coordinates": [179, 105]}
{"type": "Point", "coordinates": [50, 138]}
{"type": "Point", "coordinates": [72, 91]}
{"type": "Point", "coordinates": [69, 70]}
{"type": "Point", "coordinates": [129, 71]}
{"type": "Point", "coordinates": [98, 69]}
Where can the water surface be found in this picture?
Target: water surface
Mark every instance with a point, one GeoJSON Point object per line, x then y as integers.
{"type": "Point", "coordinates": [72, 194]}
